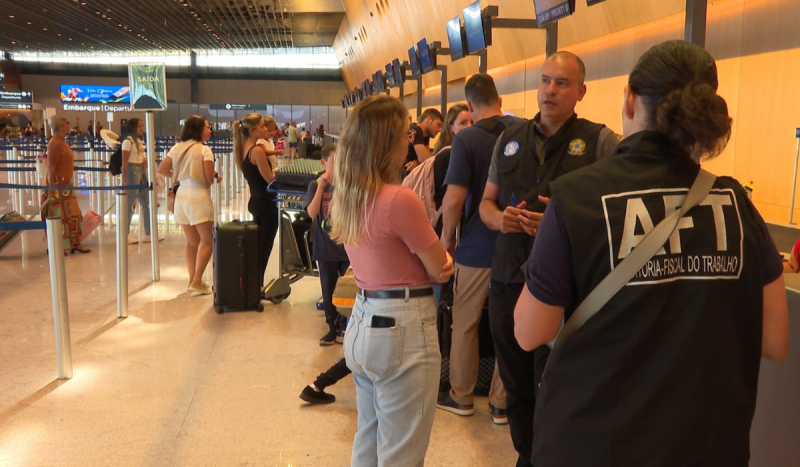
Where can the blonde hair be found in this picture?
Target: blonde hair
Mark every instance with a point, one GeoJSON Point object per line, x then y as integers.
{"type": "Point", "coordinates": [241, 131]}
{"type": "Point", "coordinates": [371, 150]}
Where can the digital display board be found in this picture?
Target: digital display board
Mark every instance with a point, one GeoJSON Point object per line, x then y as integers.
{"type": "Point", "coordinates": [455, 38]}
{"type": "Point", "coordinates": [398, 72]}
{"type": "Point", "coordinates": [390, 75]}
{"type": "Point", "coordinates": [413, 59]}
{"type": "Point", "coordinates": [427, 61]}
{"type": "Point", "coordinates": [93, 93]}
{"type": "Point", "coordinates": [473, 27]}
{"type": "Point", "coordinates": [549, 11]}
{"type": "Point", "coordinates": [367, 88]}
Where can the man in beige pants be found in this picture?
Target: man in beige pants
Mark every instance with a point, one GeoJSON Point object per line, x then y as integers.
{"type": "Point", "coordinates": [470, 156]}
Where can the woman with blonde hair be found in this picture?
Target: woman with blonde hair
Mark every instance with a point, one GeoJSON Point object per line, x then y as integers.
{"type": "Point", "coordinates": [250, 156]}
{"type": "Point", "coordinates": [191, 163]}
{"type": "Point", "coordinates": [63, 203]}
{"type": "Point", "coordinates": [391, 343]}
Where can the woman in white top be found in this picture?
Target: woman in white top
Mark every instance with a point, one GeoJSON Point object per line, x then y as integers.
{"type": "Point", "coordinates": [134, 169]}
{"type": "Point", "coordinates": [191, 163]}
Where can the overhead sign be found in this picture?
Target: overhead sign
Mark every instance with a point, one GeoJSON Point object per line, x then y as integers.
{"type": "Point", "coordinates": [253, 107]}
{"type": "Point", "coordinates": [593, 2]}
{"type": "Point", "coordinates": [148, 86]}
{"type": "Point", "coordinates": [97, 94]}
{"type": "Point", "coordinates": [549, 11]}
{"type": "Point", "coordinates": [80, 107]}
{"type": "Point", "coordinates": [12, 106]}
{"type": "Point", "coordinates": [14, 97]}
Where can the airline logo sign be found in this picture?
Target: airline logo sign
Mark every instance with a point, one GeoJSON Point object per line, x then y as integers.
{"type": "Point", "coordinates": [707, 244]}
{"type": "Point", "coordinates": [148, 85]}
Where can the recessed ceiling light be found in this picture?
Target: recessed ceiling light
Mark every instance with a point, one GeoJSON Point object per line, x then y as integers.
{"type": "Point", "coordinates": [44, 29]}
{"type": "Point", "coordinates": [13, 42]}
{"type": "Point", "coordinates": [11, 16]}
{"type": "Point", "coordinates": [29, 22]}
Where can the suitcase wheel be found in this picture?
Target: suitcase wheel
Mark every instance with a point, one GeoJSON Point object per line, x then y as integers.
{"type": "Point", "coordinates": [260, 307]}
{"type": "Point", "coordinates": [219, 309]}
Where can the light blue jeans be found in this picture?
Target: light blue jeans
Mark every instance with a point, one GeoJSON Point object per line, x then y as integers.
{"type": "Point", "coordinates": [396, 371]}
{"type": "Point", "coordinates": [135, 176]}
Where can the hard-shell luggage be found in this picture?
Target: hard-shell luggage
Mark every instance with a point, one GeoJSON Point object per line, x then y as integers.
{"type": "Point", "coordinates": [237, 279]}
{"type": "Point", "coordinates": [485, 344]}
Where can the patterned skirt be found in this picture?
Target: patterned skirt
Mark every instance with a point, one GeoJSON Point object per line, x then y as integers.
{"type": "Point", "coordinates": [64, 204]}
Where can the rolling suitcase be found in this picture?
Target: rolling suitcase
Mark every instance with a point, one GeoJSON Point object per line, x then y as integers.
{"type": "Point", "coordinates": [237, 281]}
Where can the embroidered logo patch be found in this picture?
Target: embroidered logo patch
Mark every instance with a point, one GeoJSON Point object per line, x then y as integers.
{"type": "Point", "coordinates": [577, 147]}
{"type": "Point", "coordinates": [511, 148]}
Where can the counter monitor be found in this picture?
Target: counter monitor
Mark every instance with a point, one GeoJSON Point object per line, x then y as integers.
{"type": "Point", "coordinates": [390, 75]}
{"type": "Point", "coordinates": [413, 59]}
{"type": "Point", "coordinates": [398, 72]}
{"type": "Point", "coordinates": [474, 28]}
{"type": "Point", "coordinates": [427, 62]}
{"type": "Point", "coordinates": [455, 38]}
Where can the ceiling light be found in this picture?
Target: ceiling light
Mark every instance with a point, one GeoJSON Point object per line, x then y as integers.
{"type": "Point", "coordinates": [13, 42]}
{"type": "Point", "coordinates": [44, 29]}
{"type": "Point", "coordinates": [29, 22]}
{"type": "Point", "coordinates": [11, 16]}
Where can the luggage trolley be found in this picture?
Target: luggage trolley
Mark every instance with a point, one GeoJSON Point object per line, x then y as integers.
{"type": "Point", "coordinates": [292, 266]}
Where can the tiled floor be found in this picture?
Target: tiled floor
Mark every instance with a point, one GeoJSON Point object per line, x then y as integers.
{"type": "Point", "coordinates": [175, 383]}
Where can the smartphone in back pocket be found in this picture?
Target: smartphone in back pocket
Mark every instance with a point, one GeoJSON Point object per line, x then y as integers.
{"type": "Point", "coordinates": [379, 321]}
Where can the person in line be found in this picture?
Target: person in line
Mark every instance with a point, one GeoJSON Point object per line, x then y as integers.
{"type": "Point", "coordinates": [251, 158]}
{"type": "Point", "coordinates": [315, 393]}
{"type": "Point", "coordinates": [291, 138]}
{"type": "Point", "coordinates": [391, 343]}
{"type": "Point", "coordinates": [466, 180]}
{"type": "Point", "coordinates": [420, 134]}
{"type": "Point", "coordinates": [134, 168]}
{"type": "Point", "coordinates": [191, 163]}
{"type": "Point", "coordinates": [666, 372]}
{"type": "Point", "coordinates": [90, 130]}
{"type": "Point", "coordinates": [63, 203]}
{"type": "Point", "coordinates": [320, 135]}
{"type": "Point", "coordinates": [525, 160]}
{"type": "Point", "coordinates": [330, 256]}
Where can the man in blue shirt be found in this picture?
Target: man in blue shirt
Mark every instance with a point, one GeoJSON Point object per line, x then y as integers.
{"type": "Point", "coordinates": [470, 157]}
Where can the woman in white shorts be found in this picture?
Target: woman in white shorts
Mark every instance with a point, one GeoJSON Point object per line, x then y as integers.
{"type": "Point", "coordinates": [192, 164]}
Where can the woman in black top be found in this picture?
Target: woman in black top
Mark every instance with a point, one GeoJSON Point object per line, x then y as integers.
{"type": "Point", "coordinates": [251, 158]}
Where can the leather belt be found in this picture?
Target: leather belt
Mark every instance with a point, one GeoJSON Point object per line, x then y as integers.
{"type": "Point", "coordinates": [398, 293]}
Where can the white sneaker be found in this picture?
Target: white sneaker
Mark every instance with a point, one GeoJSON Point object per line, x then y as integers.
{"type": "Point", "coordinates": [132, 240]}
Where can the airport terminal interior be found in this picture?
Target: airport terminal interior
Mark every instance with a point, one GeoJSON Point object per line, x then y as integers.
{"type": "Point", "coordinates": [101, 366]}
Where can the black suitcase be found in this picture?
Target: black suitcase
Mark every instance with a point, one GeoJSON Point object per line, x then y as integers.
{"type": "Point", "coordinates": [237, 285]}
{"type": "Point", "coordinates": [485, 344]}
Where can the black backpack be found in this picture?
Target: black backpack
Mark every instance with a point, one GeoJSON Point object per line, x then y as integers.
{"type": "Point", "coordinates": [115, 162]}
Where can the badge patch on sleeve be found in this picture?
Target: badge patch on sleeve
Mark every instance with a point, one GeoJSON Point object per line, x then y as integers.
{"type": "Point", "coordinates": [577, 147]}
{"type": "Point", "coordinates": [511, 148]}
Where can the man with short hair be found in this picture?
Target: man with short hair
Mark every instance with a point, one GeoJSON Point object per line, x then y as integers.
{"type": "Point", "coordinates": [526, 159]}
{"type": "Point", "coordinates": [420, 134]}
{"type": "Point", "coordinates": [470, 157]}
{"type": "Point", "coordinates": [291, 138]}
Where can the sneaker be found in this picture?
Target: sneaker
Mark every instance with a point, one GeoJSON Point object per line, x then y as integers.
{"type": "Point", "coordinates": [447, 403]}
{"type": "Point", "coordinates": [132, 240]}
{"type": "Point", "coordinates": [313, 396]}
{"type": "Point", "coordinates": [340, 337]}
{"type": "Point", "coordinates": [201, 288]}
{"type": "Point", "coordinates": [499, 416]}
{"type": "Point", "coordinates": [329, 338]}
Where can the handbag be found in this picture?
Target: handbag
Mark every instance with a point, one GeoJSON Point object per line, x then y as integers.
{"type": "Point", "coordinates": [628, 268]}
{"type": "Point", "coordinates": [174, 190]}
{"type": "Point", "coordinates": [344, 295]}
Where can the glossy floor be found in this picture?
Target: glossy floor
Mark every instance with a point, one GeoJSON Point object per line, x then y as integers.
{"type": "Point", "coordinates": [175, 383]}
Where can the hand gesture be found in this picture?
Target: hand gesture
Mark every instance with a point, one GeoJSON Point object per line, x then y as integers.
{"type": "Point", "coordinates": [509, 222]}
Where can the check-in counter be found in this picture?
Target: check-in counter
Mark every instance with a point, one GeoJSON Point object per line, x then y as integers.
{"type": "Point", "coordinates": [775, 435]}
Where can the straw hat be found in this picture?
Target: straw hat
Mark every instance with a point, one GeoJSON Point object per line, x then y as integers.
{"type": "Point", "coordinates": [110, 138]}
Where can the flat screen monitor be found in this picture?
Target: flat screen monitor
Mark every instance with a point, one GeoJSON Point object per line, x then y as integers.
{"type": "Point", "coordinates": [550, 11]}
{"type": "Point", "coordinates": [390, 75]}
{"type": "Point", "coordinates": [413, 59]}
{"type": "Point", "coordinates": [473, 28]}
{"type": "Point", "coordinates": [427, 61]}
{"type": "Point", "coordinates": [398, 72]}
{"type": "Point", "coordinates": [93, 93]}
{"type": "Point", "coordinates": [593, 2]}
{"type": "Point", "coordinates": [367, 88]}
{"type": "Point", "coordinates": [455, 37]}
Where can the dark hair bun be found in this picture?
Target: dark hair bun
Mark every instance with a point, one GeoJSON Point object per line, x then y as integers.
{"type": "Point", "coordinates": [695, 116]}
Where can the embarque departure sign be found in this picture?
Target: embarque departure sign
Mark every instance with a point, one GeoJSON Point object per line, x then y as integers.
{"type": "Point", "coordinates": [148, 86]}
{"type": "Point", "coordinates": [16, 100]}
{"type": "Point", "coordinates": [549, 11]}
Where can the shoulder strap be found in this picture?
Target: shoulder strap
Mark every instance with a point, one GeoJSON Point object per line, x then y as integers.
{"type": "Point", "coordinates": [640, 255]}
{"type": "Point", "coordinates": [492, 126]}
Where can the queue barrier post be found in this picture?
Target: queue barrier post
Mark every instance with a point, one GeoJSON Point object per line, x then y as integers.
{"type": "Point", "coordinates": [58, 288]}
{"type": "Point", "coordinates": [122, 255]}
{"type": "Point", "coordinates": [155, 259]}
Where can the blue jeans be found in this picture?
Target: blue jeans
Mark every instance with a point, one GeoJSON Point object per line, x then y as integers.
{"type": "Point", "coordinates": [135, 176]}
{"type": "Point", "coordinates": [396, 371]}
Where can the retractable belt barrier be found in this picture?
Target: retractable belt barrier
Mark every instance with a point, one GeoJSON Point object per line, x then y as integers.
{"type": "Point", "coordinates": [143, 186]}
